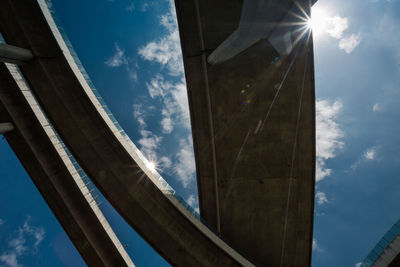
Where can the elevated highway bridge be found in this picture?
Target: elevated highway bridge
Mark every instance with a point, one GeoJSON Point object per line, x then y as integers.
{"type": "Point", "coordinates": [250, 78]}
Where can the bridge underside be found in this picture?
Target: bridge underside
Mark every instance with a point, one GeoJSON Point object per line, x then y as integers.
{"type": "Point", "coordinates": [93, 136]}
{"type": "Point", "coordinates": [253, 124]}
{"type": "Point", "coordinates": [77, 213]}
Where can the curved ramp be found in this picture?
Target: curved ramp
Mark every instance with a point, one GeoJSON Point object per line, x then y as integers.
{"type": "Point", "coordinates": [55, 174]}
{"type": "Point", "coordinates": [101, 147]}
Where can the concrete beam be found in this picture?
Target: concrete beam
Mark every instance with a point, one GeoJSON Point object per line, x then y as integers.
{"type": "Point", "coordinates": [43, 156]}
{"type": "Point", "coordinates": [6, 127]}
{"type": "Point", "coordinates": [14, 54]}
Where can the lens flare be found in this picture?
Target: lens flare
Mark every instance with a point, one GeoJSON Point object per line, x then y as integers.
{"type": "Point", "coordinates": [152, 165]}
{"type": "Point", "coordinates": [318, 21]}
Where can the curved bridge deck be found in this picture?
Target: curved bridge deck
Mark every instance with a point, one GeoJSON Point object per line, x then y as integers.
{"type": "Point", "coordinates": [250, 80]}
{"type": "Point", "coordinates": [96, 140]}
{"type": "Point", "coordinates": [55, 174]}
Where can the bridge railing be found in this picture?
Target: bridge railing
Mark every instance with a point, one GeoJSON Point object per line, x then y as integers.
{"type": "Point", "coordinates": [382, 245]}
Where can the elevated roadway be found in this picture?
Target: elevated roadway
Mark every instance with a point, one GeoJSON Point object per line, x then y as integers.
{"type": "Point", "coordinates": [55, 175]}
{"type": "Point", "coordinates": [100, 146]}
{"type": "Point", "coordinates": [250, 79]}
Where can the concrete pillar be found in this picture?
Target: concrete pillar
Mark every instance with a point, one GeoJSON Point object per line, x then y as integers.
{"type": "Point", "coordinates": [6, 127]}
{"type": "Point", "coordinates": [14, 54]}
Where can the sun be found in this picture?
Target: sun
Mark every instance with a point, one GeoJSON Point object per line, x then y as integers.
{"type": "Point", "coordinates": [318, 21]}
{"type": "Point", "coordinates": [152, 166]}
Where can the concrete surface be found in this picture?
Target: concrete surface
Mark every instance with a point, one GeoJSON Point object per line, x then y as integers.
{"type": "Point", "coordinates": [44, 158]}
{"type": "Point", "coordinates": [253, 124]}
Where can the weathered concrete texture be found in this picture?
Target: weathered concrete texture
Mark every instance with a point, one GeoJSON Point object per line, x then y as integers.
{"type": "Point", "coordinates": [53, 173]}
{"type": "Point", "coordinates": [101, 150]}
{"type": "Point", "coordinates": [254, 134]}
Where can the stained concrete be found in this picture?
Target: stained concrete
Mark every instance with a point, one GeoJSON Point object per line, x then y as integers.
{"type": "Point", "coordinates": [253, 134]}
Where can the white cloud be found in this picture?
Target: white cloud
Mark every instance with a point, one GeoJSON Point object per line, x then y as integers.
{"type": "Point", "coordinates": [193, 202]}
{"type": "Point", "coordinates": [370, 154]}
{"type": "Point", "coordinates": [350, 42]}
{"type": "Point", "coordinates": [328, 135]}
{"type": "Point", "coordinates": [166, 124]}
{"type": "Point", "coordinates": [117, 59]}
{"type": "Point", "coordinates": [144, 7]}
{"type": "Point", "coordinates": [335, 26]}
{"type": "Point", "coordinates": [171, 92]}
{"type": "Point", "coordinates": [132, 72]}
{"type": "Point", "coordinates": [377, 107]}
{"type": "Point", "coordinates": [167, 49]}
{"type": "Point", "coordinates": [138, 114]}
{"type": "Point", "coordinates": [158, 86]}
{"type": "Point", "coordinates": [165, 162]}
{"type": "Point", "coordinates": [359, 264]}
{"type": "Point", "coordinates": [130, 7]}
{"type": "Point", "coordinates": [167, 52]}
{"type": "Point", "coordinates": [185, 167]}
{"type": "Point", "coordinates": [19, 245]}
{"type": "Point", "coordinates": [175, 104]}
{"type": "Point", "coordinates": [315, 245]}
{"type": "Point", "coordinates": [10, 259]}
{"type": "Point", "coordinates": [149, 143]}
{"type": "Point", "coordinates": [1, 222]}
{"type": "Point", "coordinates": [179, 95]}
{"type": "Point", "coordinates": [321, 198]}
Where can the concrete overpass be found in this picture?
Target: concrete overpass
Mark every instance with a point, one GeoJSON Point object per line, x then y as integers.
{"type": "Point", "coordinates": [55, 174]}
{"type": "Point", "coordinates": [101, 147]}
{"type": "Point", "coordinates": [251, 95]}
{"type": "Point", "coordinates": [250, 80]}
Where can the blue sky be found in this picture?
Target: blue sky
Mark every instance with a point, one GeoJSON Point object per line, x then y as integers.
{"type": "Point", "coordinates": [132, 53]}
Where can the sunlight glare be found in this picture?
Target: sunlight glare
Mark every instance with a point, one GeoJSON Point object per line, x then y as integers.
{"type": "Point", "coordinates": [318, 21]}
{"type": "Point", "coordinates": [152, 165]}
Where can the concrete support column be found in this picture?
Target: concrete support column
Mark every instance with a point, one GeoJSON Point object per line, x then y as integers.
{"type": "Point", "coordinates": [6, 127]}
{"type": "Point", "coordinates": [14, 54]}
